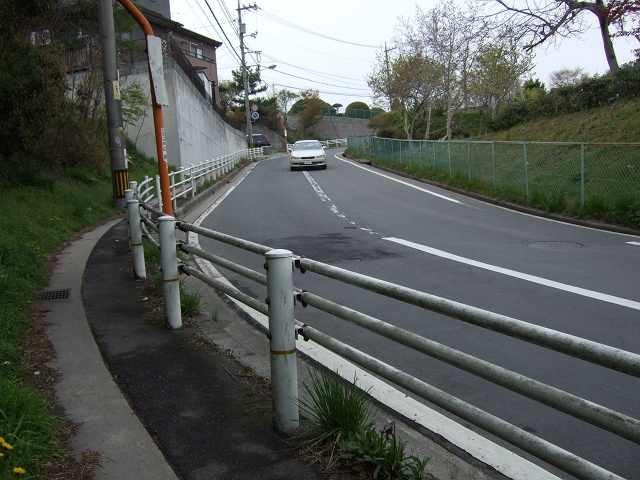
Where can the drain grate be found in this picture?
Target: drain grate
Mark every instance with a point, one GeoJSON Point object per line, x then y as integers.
{"type": "Point", "coordinates": [54, 294]}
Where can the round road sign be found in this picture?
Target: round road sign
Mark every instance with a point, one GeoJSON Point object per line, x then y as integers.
{"type": "Point", "coordinates": [255, 115]}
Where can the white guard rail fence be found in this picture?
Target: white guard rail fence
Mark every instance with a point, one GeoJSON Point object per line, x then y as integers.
{"type": "Point", "coordinates": [146, 222]}
{"type": "Point", "coordinates": [338, 142]}
{"type": "Point", "coordinates": [186, 181]}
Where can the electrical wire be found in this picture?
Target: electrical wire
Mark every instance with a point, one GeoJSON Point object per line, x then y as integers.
{"type": "Point", "coordinates": [255, 56]}
{"type": "Point", "coordinates": [286, 23]}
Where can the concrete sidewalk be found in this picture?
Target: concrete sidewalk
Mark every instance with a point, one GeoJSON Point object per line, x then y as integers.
{"type": "Point", "coordinates": [86, 390]}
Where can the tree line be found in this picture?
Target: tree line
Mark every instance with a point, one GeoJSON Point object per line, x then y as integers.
{"type": "Point", "coordinates": [477, 56]}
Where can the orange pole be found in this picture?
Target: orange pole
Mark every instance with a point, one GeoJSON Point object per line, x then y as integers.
{"type": "Point", "coordinates": [161, 149]}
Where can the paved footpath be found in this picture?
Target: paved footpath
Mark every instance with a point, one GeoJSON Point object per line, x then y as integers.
{"type": "Point", "coordinates": [193, 402]}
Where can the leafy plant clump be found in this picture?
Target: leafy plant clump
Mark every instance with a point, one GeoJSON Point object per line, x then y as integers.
{"type": "Point", "coordinates": [340, 426]}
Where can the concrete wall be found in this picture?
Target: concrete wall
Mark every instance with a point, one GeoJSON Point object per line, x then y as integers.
{"type": "Point", "coordinates": [194, 132]}
{"type": "Point", "coordinates": [331, 128]}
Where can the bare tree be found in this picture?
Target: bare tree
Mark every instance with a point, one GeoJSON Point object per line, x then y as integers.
{"type": "Point", "coordinates": [453, 35]}
{"type": "Point", "coordinates": [542, 21]}
{"type": "Point", "coordinates": [567, 76]}
{"type": "Point", "coordinates": [498, 70]}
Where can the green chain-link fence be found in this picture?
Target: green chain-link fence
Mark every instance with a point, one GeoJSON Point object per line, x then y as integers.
{"type": "Point", "coordinates": [572, 173]}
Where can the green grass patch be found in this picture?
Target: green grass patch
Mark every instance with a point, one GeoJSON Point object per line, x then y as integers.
{"type": "Point", "coordinates": [340, 428]}
{"type": "Point", "coordinates": [27, 430]}
{"type": "Point", "coordinates": [37, 221]}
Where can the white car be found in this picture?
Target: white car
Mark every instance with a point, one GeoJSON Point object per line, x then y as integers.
{"type": "Point", "coordinates": [307, 153]}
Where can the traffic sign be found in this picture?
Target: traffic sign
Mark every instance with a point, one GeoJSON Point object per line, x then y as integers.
{"type": "Point", "coordinates": [255, 115]}
{"type": "Point", "coordinates": [254, 107]}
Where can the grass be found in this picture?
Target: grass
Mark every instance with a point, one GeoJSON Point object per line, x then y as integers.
{"type": "Point", "coordinates": [340, 428]}
{"type": "Point", "coordinates": [618, 123]}
{"type": "Point", "coordinates": [36, 222]}
{"type": "Point", "coordinates": [28, 430]}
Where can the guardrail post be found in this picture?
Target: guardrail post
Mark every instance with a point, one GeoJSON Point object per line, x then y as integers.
{"type": "Point", "coordinates": [135, 238]}
{"type": "Point", "coordinates": [170, 275]}
{"type": "Point", "coordinates": [284, 374]}
{"type": "Point", "coordinates": [159, 192]}
{"type": "Point", "coordinates": [129, 195]}
{"type": "Point", "coordinates": [172, 182]}
{"type": "Point", "coordinates": [194, 182]}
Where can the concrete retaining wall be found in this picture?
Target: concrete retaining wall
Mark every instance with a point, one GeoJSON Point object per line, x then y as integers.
{"type": "Point", "coordinates": [194, 131]}
{"type": "Point", "coordinates": [330, 128]}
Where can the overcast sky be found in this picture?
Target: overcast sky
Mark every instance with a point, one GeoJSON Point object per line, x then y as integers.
{"type": "Point", "coordinates": [331, 45]}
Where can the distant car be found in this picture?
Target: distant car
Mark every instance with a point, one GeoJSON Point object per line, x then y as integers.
{"type": "Point", "coordinates": [260, 140]}
{"type": "Point", "coordinates": [307, 153]}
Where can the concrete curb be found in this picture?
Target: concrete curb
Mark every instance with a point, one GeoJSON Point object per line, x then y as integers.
{"type": "Point", "coordinates": [86, 390]}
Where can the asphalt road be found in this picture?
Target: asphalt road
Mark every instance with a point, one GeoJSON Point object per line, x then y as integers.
{"type": "Point", "coordinates": [577, 280]}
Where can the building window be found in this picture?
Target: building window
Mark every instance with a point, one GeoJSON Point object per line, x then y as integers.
{"type": "Point", "coordinates": [195, 50]}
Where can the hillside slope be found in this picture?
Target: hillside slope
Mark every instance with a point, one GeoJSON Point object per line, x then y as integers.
{"type": "Point", "coordinates": [618, 122]}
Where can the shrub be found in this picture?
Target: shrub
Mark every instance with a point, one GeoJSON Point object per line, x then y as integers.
{"type": "Point", "coordinates": [592, 92]}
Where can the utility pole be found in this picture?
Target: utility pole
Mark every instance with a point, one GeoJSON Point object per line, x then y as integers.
{"type": "Point", "coordinates": [386, 61]}
{"type": "Point", "coordinates": [245, 74]}
{"type": "Point", "coordinates": [119, 170]}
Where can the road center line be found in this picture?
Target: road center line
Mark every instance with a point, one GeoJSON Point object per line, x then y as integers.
{"type": "Point", "coordinates": [323, 196]}
{"type": "Point", "coordinates": [522, 276]}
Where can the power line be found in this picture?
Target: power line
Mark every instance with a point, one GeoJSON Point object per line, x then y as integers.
{"type": "Point", "coordinates": [321, 83]}
{"type": "Point", "coordinates": [311, 32]}
{"type": "Point", "coordinates": [221, 29]}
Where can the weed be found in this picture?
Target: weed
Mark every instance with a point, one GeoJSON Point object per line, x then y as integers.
{"type": "Point", "coordinates": [337, 411]}
{"type": "Point", "coordinates": [385, 454]}
{"type": "Point", "coordinates": [341, 426]}
{"type": "Point", "coordinates": [190, 303]}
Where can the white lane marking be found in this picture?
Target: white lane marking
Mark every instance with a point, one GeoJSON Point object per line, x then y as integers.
{"type": "Point", "coordinates": [449, 199]}
{"type": "Point", "coordinates": [633, 243]}
{"type": "Point", "coordinates": [213, 206]}
{"type": "Point", "coordinates": [323, 196]}
{"type": "Point", "coordinates": [522, 276]}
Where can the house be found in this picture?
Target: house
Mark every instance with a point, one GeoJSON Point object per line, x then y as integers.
{"type": "Point", "coordinates": [195, 128]}
{"type": "Point", "coordinates": [198, 50]}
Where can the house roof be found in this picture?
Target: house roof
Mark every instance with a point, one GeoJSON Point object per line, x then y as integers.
{"type": "Point", "coordinates": [188, 33]}
{"type": "Point", "coordinates": [158, 18]}
{"type": "Point", "coordinates": [177, 27]}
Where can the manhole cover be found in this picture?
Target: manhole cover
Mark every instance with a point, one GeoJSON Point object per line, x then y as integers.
{"type": "Point", "coordinates": [54, 294]}
{"type": "Point", "coordinates": [555, 245]}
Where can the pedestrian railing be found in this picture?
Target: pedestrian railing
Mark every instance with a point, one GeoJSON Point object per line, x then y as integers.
{"type": "Point", "coordinates": [186, 181]}
{"type": "Point", "coordinates": [338, 142]}
{"type": "Point", "coordinates": [146, 222]}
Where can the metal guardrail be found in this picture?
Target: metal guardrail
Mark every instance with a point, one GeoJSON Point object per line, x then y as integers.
{"type": "Point", "coordinates": [284, 330]}
{"type": "Point", "coordinates": [338, 142]}
{"type": "Point", "coordinates": [186, 181]}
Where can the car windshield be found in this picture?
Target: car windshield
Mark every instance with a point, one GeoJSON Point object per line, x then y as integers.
{"type": "Point", "coordinates": [307, 146]}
